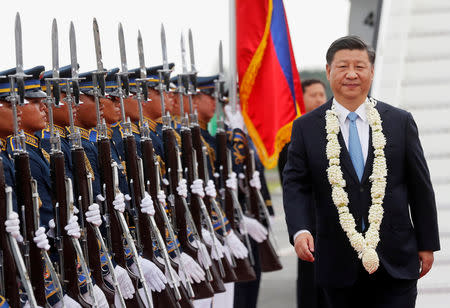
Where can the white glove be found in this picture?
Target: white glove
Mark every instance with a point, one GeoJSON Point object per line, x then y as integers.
{"type": "Point", "coordinates": [99, 198]}
{"type": "Point", "coordinates": [99, 296]}
{"type": "Point", "coordinates": [73, 228]}
{"type": "Point", "coordinates": [182, 188]}
{"type": "Point", "coordinates": [41, 239]}
{"type": "Point", "coordinates": [202, 254]}
{"type": "Point", "coordinates": [147, 205]}
{"type": "Point", "coordinates": [13, 226]}
{"type": "Point", "coordinates": [216, 255]}
{"type": "Point", "coordinates": [210, 189]}
{"type": "Point", "coordinates": [237, 248]}
{"type": "Point", "coordinates": [255, 180]}
{"type": "Point", "coordinates": [197, 188]}
{"type": "Point", "coordinates": [193, 270]}
{"type": "Point", "coordinates": [231, 182]}
{"type": "Point", "coordinates": [161, 197]}
{"type": "Point", "coordinates": [51, 230]}
{"type": "Point", "coordinates": [227, 253]}
{"type": "Point", "coordinates": [68, 302]}
{"type": "Point", "coordinates": [124, 281]}
{"type": "Point", "coordinates": [175, 276]}
{"type": "Point", "coordinates": [153, 276]}
{"type": "Point", "coordinates": [254, 228]}
{"type": "Point", "coordinates": [93, 215]}
{"type": "Point", "coordinates": [119, 202]}
{"type": "Point", "coordinates": [234, 119]}
{"type": "Point", "coordinates": [27, 305]}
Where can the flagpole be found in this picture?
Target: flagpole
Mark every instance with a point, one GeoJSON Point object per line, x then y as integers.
{"type": "Point", "coordinates": [233, 66]}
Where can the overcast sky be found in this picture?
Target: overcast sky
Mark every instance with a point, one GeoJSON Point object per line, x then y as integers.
{"type": "Point", "coordinates": [313, 26]}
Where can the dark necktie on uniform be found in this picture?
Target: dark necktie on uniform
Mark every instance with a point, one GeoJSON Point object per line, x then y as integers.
{"type": "Point", "coordinates": [355, 150]}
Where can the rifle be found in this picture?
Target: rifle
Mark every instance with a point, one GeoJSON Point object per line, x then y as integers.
{"type": "Point", "coordinates": [114, 231]}
{"type": "Point", "coordinates": [61, 210]}
{"type": "Point", "coordinates": [174, 170]}
{"type": "Point", "coordinates": [193, 215]}
{"type": "Point", "coordinates": [267, 254]}
{"type": "Point", "coordinates": [171, 294]}
{"type": "Point", "coordinates": [244, 270]}
{"type": "Point", "coordinates": [9, 284]}
{"type": "Point", "coordinates": [91, 235]}
{"type": "Point", "coordinates": [224, 265]}
{"type": "Point", "coordinates": [196, 202]}
{"type": "Point", "coordinates": [118, 227]}
{"type": "Point", "coordinates": [23, 178]}
{"type": "Point", "coordinates": [210, 202]}
{"type": "Point", "coordinates": [176, 203]}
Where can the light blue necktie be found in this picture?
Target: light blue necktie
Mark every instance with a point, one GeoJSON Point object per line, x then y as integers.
{"type": "Point", "coordinates": [355, 150]}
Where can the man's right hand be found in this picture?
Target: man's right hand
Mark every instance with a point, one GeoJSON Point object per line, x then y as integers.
{"type": "Point", "coordinates": [304, 246]}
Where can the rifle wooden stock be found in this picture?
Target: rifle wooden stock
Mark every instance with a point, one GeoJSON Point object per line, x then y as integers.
{"type": "Point", "coordinates": [188, 164]}
{"type": "Point", "coordinates": [81, 190]}
{"type": "Point", "coordinates": [24, 198]}
{"type": "Point", "coordinates": [106, 178]}
{"type": "Point", "coordinates": [204, 288]}
{"type": "Point", "coordinates": [267, 255]}
{"type": "Point", "coordinates": [165, 298]}
{"type": "Point", "coordinates": [59, 197]}
{"type": "Point", "coordinates": [244, 270]}
{"type": "Point", "coordinates": [230, 275]}
{"type": "Point", "coordinates": [10, 280]}
{"type": "Point", "coordinates": [144, 231]}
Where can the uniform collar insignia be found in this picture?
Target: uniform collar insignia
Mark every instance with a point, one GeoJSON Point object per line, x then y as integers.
{"type": "Point", "coordinates": [109, 132]}
{"type": "Point", "coordinates": [84, 133]}
{"type": "Point", "coordinates": [31, 140]}
{"type": "Point", "coordinates": [203, 124]}
{"type": "Point", "coordinates": [3, 144]}
{"type": "Point", "coordinates": [60, 130]}
{"type": "Point", "coordinates": [151, 124]}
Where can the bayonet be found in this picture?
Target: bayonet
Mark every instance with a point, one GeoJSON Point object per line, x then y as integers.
{"type": "Point", "coordinates": [164, 48]}
{"type": "Point", "coordinates": [19, 76]}
{"type": "Point", "coordinates": [100, 74]}
{"type": "Point", "coordinates": [55, 63]}
{"type": "Point", "coordinates": [193, 72]}
{"type": "Point", "coordinates": [123, 61]}
{"type": "Point", "coordinates": [183, 54]}
{"type": "Point", "coordinates": [142, 69]}
{"type": "Point", "coordinates": [19, 53]}
{"type": "Point", "coordinates": [74, 64]}
{"type": "Point", "coordinates": [191, 52]}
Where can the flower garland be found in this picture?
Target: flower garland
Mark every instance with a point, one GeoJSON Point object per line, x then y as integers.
{"type": "Point", "coordinates": [364, 245]}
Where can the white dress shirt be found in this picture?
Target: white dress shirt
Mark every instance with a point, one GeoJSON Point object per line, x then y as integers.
{"type": "Point", "coordinates": [362, 124]}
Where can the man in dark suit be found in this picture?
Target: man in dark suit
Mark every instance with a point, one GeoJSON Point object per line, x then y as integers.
{"type": "Point", "coordinates": [405, 247]}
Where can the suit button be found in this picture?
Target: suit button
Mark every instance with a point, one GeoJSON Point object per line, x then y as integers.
{"type": "Point", "coordinates": [361, 189]}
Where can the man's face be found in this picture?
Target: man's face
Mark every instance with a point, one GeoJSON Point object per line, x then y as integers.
{"type": "Point", "coordinates": [34, 115]}
{"type": "Point", "coordinates": [314, 96]}
{"type": "Point", "coordinates": [131, 108]}
{"type": "Point", "coordinates": [205, 106]}
{"type": "Point", "coordinates": [6, 116]}
{"type": "Point", "coordinates": [350, 75]}
{"type": "Point", "coordinates": [86, 113]}
{"type": "Point", "coordinates": [61, 113]}
{"type": "Point", "coordinates": [111, 110]}
{"type": "Point", "coordinates": [176, 104]}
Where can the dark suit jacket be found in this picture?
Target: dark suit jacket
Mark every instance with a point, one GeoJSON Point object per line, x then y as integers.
{"type": "Point", "coordinates": [408, 188]}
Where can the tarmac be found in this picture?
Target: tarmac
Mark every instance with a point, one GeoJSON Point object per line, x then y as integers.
{"type": "Point", "coordinates": [278, 289]}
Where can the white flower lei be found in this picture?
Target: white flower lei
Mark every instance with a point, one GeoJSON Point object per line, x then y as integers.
{"type": "Point", "coordinates": [364, 246]}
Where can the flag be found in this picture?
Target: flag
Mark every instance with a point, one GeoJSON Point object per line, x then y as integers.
{"type": "Point", "coordinates": [269, 84]}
